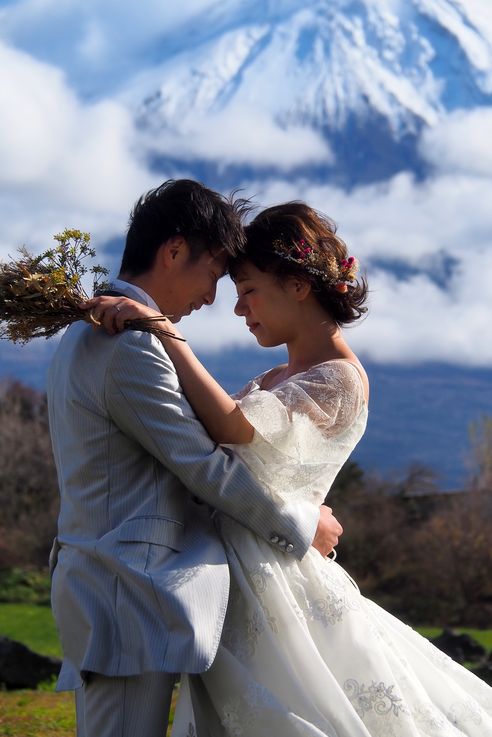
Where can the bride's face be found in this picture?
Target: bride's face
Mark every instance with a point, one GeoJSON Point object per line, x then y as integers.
{"type": "Point", "coordinates": [268, 305]}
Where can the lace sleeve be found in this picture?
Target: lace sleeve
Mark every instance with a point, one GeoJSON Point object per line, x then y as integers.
{"type": "Point", "coordinates": [247, 388]}
{"type": "Point", "coordinates": [305, 429]}
{"type": "Point", "coordinates": [324, 400]}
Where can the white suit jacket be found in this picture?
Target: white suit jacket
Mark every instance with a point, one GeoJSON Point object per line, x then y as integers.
{"type": "Point", "coordinates": [140, 580]}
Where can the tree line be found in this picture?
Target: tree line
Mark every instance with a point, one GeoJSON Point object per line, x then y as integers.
{"type": "Point", "coordinates": [424, 555]}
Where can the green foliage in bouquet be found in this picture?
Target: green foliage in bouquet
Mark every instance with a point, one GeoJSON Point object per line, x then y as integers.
{"type": "Point", "coordinates": [39, 295]}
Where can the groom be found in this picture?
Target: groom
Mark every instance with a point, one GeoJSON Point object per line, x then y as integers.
{"type": "Point", "coordinates": [140, 578]}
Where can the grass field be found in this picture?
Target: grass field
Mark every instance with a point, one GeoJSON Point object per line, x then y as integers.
{"type": "Point", "coordinates": [40, 713]}
{"type": "Point", "coordinates": [37, 714]}
{"type": "Point", "coordinates": [33, 625]}
{"type": "Point", "coordinates": [43, 713]}
{"type": "Point", "coordinates": [484, 637]}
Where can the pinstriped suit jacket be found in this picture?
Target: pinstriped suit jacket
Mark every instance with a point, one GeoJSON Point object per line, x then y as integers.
{"type": "Point", "coordinates": [141, 578]}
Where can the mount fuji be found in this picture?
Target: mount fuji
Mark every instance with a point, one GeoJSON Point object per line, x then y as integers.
{"type": "Point", "coordinates": [347, 85]}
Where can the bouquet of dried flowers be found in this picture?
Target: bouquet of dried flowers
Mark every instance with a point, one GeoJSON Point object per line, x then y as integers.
{"type": "Point", "coordinates": [41, 295]}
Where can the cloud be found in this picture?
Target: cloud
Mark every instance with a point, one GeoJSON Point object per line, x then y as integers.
{"type": "Point", "coordinates": [98, 44]}
{"type": "Point", "coordinates": [411, 318]}
{"type": "Point", "coordinates": [414, 320]}
{"type": "Point", "coordinates": [239, 136]}
{"type": "Point", "coordinates": [460, 143]}
{"type": "Point", "coordinates": [64, 163]}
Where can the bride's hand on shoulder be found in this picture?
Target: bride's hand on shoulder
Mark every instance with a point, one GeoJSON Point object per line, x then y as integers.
{"type": "Point", "coordinates": [114, 313]}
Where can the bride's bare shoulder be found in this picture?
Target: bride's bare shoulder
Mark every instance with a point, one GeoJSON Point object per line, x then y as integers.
{"type": "Point", "coordinates": [270, 378]}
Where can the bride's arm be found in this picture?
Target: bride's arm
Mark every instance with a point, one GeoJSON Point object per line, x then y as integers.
{"type": "Point", "coordinates": [217, 411]}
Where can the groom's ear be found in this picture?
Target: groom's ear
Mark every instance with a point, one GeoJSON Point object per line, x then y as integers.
{"type": "Point", "coordinates": [175, 250]}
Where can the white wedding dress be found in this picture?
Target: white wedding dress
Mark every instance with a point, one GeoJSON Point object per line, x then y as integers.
{"type": "Point", "coordinates": [303, 653]}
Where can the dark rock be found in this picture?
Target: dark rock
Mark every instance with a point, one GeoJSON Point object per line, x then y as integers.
{"type": "Point", "coordinates": [23, 668]}
{"type": "Point", "coordinates": [461, 648]}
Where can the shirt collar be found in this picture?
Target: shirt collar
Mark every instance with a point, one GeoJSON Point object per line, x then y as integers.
{"type": "Point", "coordinates": [121, 284]}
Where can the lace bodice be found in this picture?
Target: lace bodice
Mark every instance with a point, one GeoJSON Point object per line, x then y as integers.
{"type": "Point", "coordinates": [305, 429]}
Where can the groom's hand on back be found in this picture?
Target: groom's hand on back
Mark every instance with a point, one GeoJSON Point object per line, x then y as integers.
{"type": "Point", "coordinates": [328, 531]}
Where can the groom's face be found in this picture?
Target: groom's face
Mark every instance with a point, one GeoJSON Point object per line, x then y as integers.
{"type": "Point", "coordinates": [193, 283]}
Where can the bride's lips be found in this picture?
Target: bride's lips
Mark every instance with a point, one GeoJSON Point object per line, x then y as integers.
{"type": "Point", "coordinates": [252, 327]}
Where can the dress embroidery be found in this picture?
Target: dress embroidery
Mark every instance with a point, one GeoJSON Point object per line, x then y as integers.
{"type": "Point", "coordinates": [230, 717]}
{"type": "Point", "coordinates": [271, 621]}
{"type": "Point", "coordinates": [429, 717]}
{"type": "Point", "coordinates": [466, 711]}
{"type": "Point", "coordinates": [260, 575]}
{"type": "Point", "coordinates": [240, 713]}
{"type": "Point", "coordinates": [254, 628]}
{"type": "Point", "coordinates": [328, 610]}
{"type": "Point", "coordinates": [241, 638]}
{"type": "Point", "coordinates": [377, 697]}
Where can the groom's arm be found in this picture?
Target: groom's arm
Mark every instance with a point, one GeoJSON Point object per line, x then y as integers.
{"type": "Point", "coordinates": [145, 400]}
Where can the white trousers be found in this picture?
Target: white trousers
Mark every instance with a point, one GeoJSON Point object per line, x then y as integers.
{"type": "Point", "coordinates": [134, 706]}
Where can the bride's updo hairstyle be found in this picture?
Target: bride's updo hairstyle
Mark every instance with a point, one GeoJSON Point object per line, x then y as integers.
{"type": "Point", "coordinates": [293, 240]}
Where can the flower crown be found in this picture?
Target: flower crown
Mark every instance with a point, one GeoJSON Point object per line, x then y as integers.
{"type": "Point", "coordinates": [309, 257]}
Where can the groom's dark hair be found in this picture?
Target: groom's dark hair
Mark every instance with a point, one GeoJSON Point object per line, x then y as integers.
{"type": "Point", "coordinates": [206, 219]}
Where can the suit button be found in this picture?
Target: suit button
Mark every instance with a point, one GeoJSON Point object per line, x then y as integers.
{"type": "Point", "coordinates": [289, 548]}
{"type": "Point", "coordinates": [282, 543]}
{"type": "Point", "coordinates": [274, 538]}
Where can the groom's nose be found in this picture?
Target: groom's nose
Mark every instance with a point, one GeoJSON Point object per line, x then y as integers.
{"type": "Point", "coordinates": [239, 308]}
{"type": "Point", "coordinates": [209, 298]}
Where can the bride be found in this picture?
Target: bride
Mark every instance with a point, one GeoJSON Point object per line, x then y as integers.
{"type": "Point", "coordinates": [302, 651]}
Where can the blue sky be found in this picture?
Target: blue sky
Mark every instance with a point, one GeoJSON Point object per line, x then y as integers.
{"type": "Point", "coordinates": [72, 156]}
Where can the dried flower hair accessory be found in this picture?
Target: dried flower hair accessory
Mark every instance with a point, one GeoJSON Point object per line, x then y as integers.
{"type": "Point", "coordinates": [315, 262]}
{"type": "Point", "coordinates": [303, 254]}
{"type": "Point", "coordinates": [348, 270]}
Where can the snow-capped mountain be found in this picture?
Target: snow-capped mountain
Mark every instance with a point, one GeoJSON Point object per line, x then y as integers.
{"type": "Point", "coordinates": [378, 71]}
